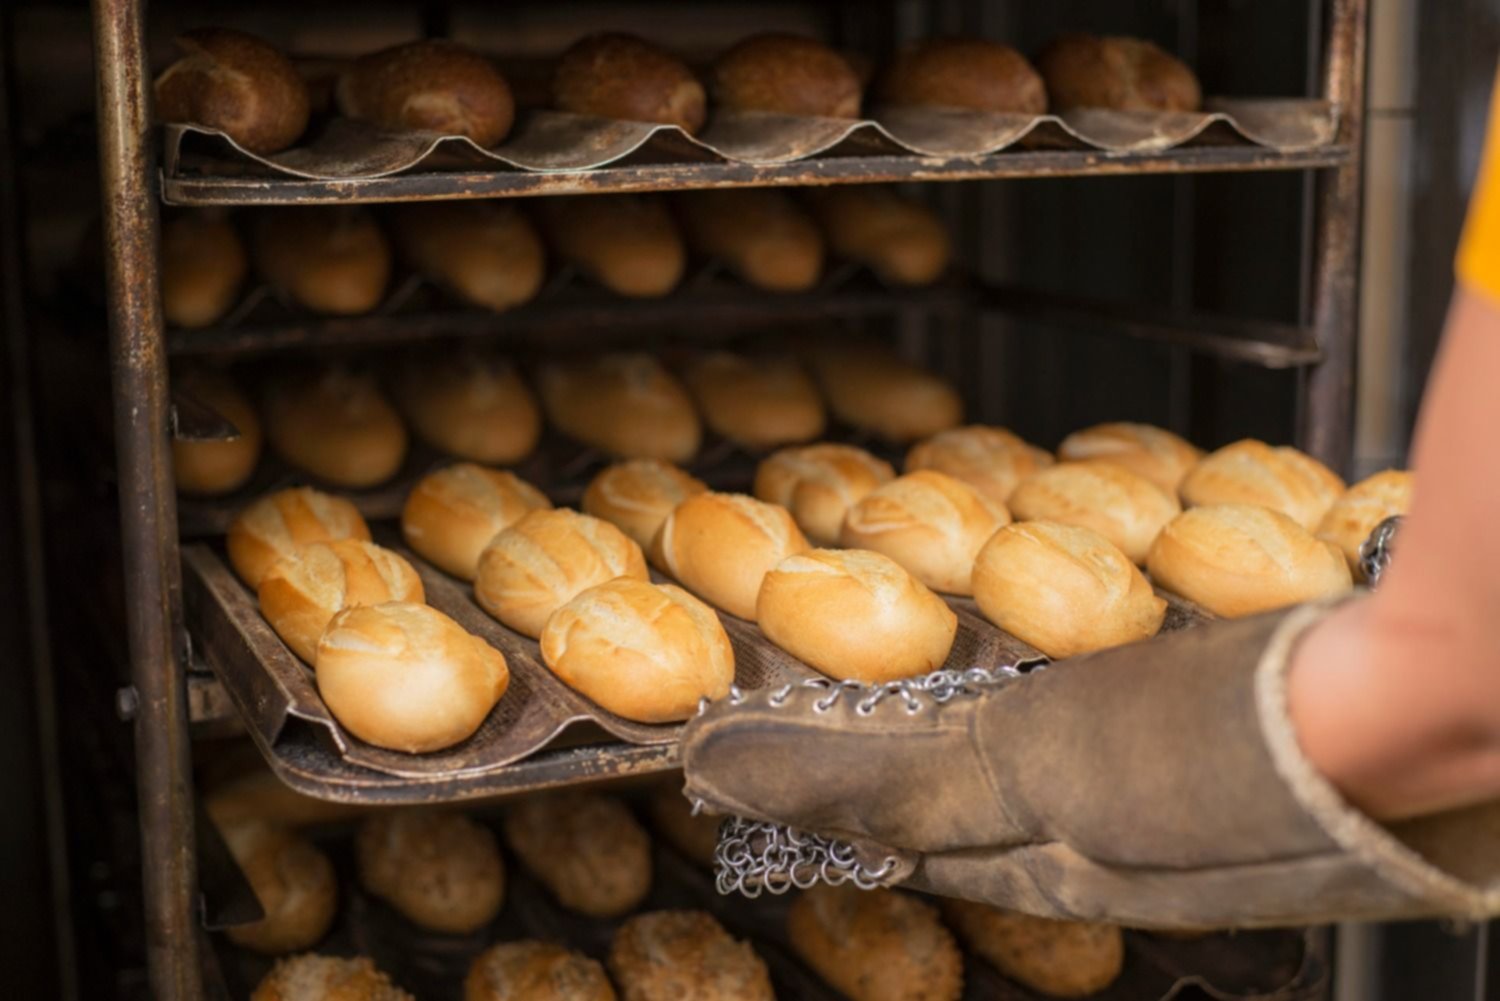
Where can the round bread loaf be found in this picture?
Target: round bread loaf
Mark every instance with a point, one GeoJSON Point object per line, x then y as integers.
{"type": "Point", "coordinates": [788, 75]}
{"type": "Point", "coordinates": [471, 405]}
{"type": "Point", "coordinates": [406, 677]}
{"type": "Point", "coordinates": [1361, 508]}
{"type": "Point", "coordinates": [818, 484]}
{"type": "Point", "coordinates": [238, 84]}
{"type": "Point", "coordinates": [623, 404]}
{"type": "Point", "coordinates": [277, 524]}
{"type": "Point", "coordinates": [587, 849]}
{"type": "Point", "coordinates": [721, 546]}
{"type": "Point", "coordinates": [438, 868]}
{"type": "Point", "coordinates": [1062, 959]}
{"type": "Point", "coordinates": [329, 259]}
{"type": "Point", "coordinates": [1252, 472]}
{"type": "Point", "coordinates": [1122, 74]}
{"type": "Point", "coordinates": [930, 523]}
{"type": "Point", "coordinates": [614, 75]}
{"type": "Point", "coordinates": [454, 512]}
{"type": "Point", "coordinates": [486, 253]}
{"type": "Point", "coordinates": [637, 495]}
{"type": "Point", "coordinates": [293, 881]}
{"type": "Point", "coordinates": [1065, 590]}
{"type": "Point", "coordinates": [1239, 559]}
{"type": "Point", "coordinates": [973, 74]}
{"type": "Point", "coordinates": [1128, 510]}
{"type": "Point", "coordinates": [337, 426]}
{"type": "Point", "coordinates": [902, 240]}
{"type": "Point", "coordinates": [648, 652]}
{"type": "Point", "coordinates": [210, 468]}
{"type": "Point", "coordinates": [325, 978]}
{"type": "Point", "coordinates": [696, 836]}
{"type": "Point", "coordinates": [761, 234]}
{"type": "Point", "coordinates": [630, 244]}
{"type": "Point", "coordinates": [670, 955]}
{"type": "Point", "coordinates": [203, 266]}
{"type": "Point", "coordinates": [989, 459]}
{"type": "Point", "coordinates": [429, 86]}
{"type": "Point", "coordinates": [756, 402]}
{"type": "Point", "coordinates": [879, 393]}
{"type": "Point", "coordinates": [875, 945]}
{"type": "Point", "coordinates": [1160, 456]}
{"type": "Point", "coordinates": [529, 970]}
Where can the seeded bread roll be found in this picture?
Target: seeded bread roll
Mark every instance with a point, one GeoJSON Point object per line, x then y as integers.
{"type": "Point", "coordinates": [630, 244]}
{"type": "Point", "coordinates": [327, 978]}
{"type": "Point", "coordinates": [293, 881]}
{"type": "Point", "coordinates": [486, 253]}
{"type": "Point", "coordinates": [877, 392]}
{"type": "Point", "coordinates": [471, 405]}
{"type": "Point", "coordinates": [439, 868]}
{"type": "Point", "coordinates": [1128, 510]}
{"type": "Point", "coordinates": [211, 468]}
{"type": "Point", "coordinates": [671, 955]}
{"type": "Point", "coordinates": [989, 459]}
{"type": "Point", "coordinates": [696, 836]}
{"type": "Point", "coordinates": [637, 495]}
{"type": "Point", "coordinates": [1063, 959]}
{"type": "Point", "coordinates": [875, 945]}
{"type": "Point", "coordinates": [236, 83]}
{"type": "Point", "coordinates": [587, 849]}
{"type": "Point", "coordinates": [429, 86]}
{"type": "Point", "coordinates": [406, 677]}
{"type": "Point", "coordinates": [454, 512]}
{"type": "Point", "coordinates": [301, 593]}
{"type": "Point", "coordinates": [788, 75]}
{"type": "Point", "coordinates": [930, 523]}
{"type": "Point", "coordinates": [1363, 506]}
{"type": "Point", "coordinates": [614, 75]}
{"type": "Point", "coordinates": [1239, 559]}
{"type": "Point", "coordinates": [762, 235]}
{"type": "Point", "coordinates": [969, 73]}
{"type": "Point", "coordinates": [818, 484]}
{"type": "Point", "coordinates": [336, 425]}
{"type": "Point", "coordinates": [902, 240]}
{"type": "Point", "coordinates": [535, 971]}
{"type": "Point", "coordinates": [203, 266]}
{"type": "Point", "coordinates": [648, 652]}
{"type": "Point", "coordinates": [329, 259]}
{"type": "Point", "coordinates": [277, 524]}
{"type": "Point", "coordinates": [756, 402]}
{"type": "Point", "coordinates": [720, 547]}
{"type": "Point", "coordinates": [1123, 74]}
{"type": "Point", "coordinates": [623, 404]}
{"type": "Point", "coordinates": [1160, 456]}
{"type": "Point", "coordinates": [1252, 472]}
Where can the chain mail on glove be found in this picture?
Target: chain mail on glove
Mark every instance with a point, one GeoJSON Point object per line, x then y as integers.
{"type": "Point", "coordinates": [1153, 785]}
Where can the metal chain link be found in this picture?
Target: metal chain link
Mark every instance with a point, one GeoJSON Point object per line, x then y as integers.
{"type": "Point", "coordinates": [1375, 552]}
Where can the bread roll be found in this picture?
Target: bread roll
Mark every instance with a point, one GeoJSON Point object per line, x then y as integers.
{"type": "Point", "coordinates": [648, 652]}
{"type": "Point", "coordinates": [336, 425]}
{"type": "Point", "coordinates": [1123, 74]}
{"type": "Point", "coordinates": [973, 74]}
{"type": "Point", "coordinates": [720, 547]}
{"type": "Point", "coordinates": [429, 86]}
{"type": "Point", "coordinates": [586, 849]}
{"type": "Point", "coordinates": [211, 468]}
{"type": "Point", "coordinates": [293, 881]}
{"type": "Point", "coordinates": [470, 405]}
{"type": "Point", "coordinates": [487, 253]}
{"type": "Point", "coordinates": [623, 404]}
{"type": "Point", "coordinates": [636, 496]}
{"type": "Point", "coordinates": [535, 971]}
{"type": "Point", "coordinates": [875, 945]}
{"type": "Point", "coordinates": [277, 524]}
{"type": "Point", "coordinates": [1239, 559]}
{"type": "Point", "coordinates": [1160, 456]}
{"type": "Point", "coordinates": [1361, 508]}
{"type": "Point", "coordinates": [327, 978]}
{"type": "Point", "coordinates": [325, 258]}
{"type": "Point", "coordinates": [406, 677]}
{"type": "Point", "coordinates": [760, 234]}
{"type": "Point", "coordinates": [696, 836]}
{"type": "Point", "coordinates": [614, 75]}
{"type": "Point", "coordinates": [627, 243]}
{"type": "Point", "coordinates": [877, 392]}
{"type": "Point", "coordinates": [302, 592]}
{"type": "Point", "coordinates": [788, 75]}
{"type": "Point", "coordinates": [1252, 472]}
{"type": "Point", "coordinates": [670, 955]}
{"type": "Point", "coordinates": [545, 559]}
{"type": "Point", "coordinates": [903, 241]}
{"type": "Point", "coordinates": [1128, 510]}
{"type": "Point", "coordinates": [236, 83]}
{"type": "Point", "coordinates": [756, 402]}
{"type": "Point", "coordinates": [818, 484]}
{"type": "Point", "coordinates": [454, 512]}
{"type": "Point", "coordinates": [203, 266]}
{"type": "Point", "coordinates": [930, 523]}
{"type": "Point", "coordinates": [989, 459]}
{"type": "Point", "coordinates": [438, 868]}
{"type": "Point", "coordinates": [1063, 959]}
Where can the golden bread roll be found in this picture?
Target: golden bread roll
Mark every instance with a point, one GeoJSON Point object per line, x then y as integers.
{"type": "Point", "coordinates": [1160, 456]}
{"type": "Point", "coordinates": [238, 84]}
{"type": "Point", "coordinates": [210, 468]}
{"type": "Point", "coordinates": [671, 955]}
{"type": "Point", "coordinates": [471, 405]}
{"type": "Point", "coordinates": [429, 86]}
{"type": "Point", "coordinates": [1065, 590]}
{"type": "Point", "coordinates": [487, 253]}
{"type": "Point", "coordinates": [545, 559]}
{"type": "Point", "coordinates": [930, 523]}
{"type": "Point", "coordinates": [1063, 959]}
{"type": "Point", "coordinates": [529, 970]}
{"type": "Point", "coordinates": [636, 496]}
{"type": "Point", "coordinates": [991, 460]}
{"type": "Point", "coordinates": [788, 75]}
{"type": "Point", "coordinates": [696, 836]}
{"type": "Point", "coordinates": [438, 868]}
{"type": "Point", "coordinates": [1123, 74]}
{"type": "Point", "coordinates": [326, 258]}
{"type": "Point", "coordinates": [969, 73]}
{"type": "Point", "coordinates": [406, 677]}
{"type": "Point", "coordinates": [720, 547]}
{"type": "Point", "coordinates": [585, 848]}
{"type": "Point", "coordinates": [878, 392]}
{"type": "Point", "coordinates": [301, 593]}
{"type": "Point", "coordinates": [615, 75]}
{"type": "Point", "coordinates": [762, 235]}
{"type": "Point", "coordinates": [902, 240]}
{"type": "Point", "coordinates": [623, 404]}
{"type": "Point", "coordinates": [756, 402]}
{"type": "Point", "coordinates": [336, 425]}
{"type": "Point", "coordinates": [1361, 508]}
{"type": "Point", "coordinates": [277, 524]}
{"type": "Point", "coordinates": [1128, 510]}
{"type": "Point", "coordinates": [327, 978]}
{"type": "Point", "coordinates": [875, 945]}
{"type": "Point", "coordinates": [648, 652]}
{"type": "Point", "coordinates": [203, 266]}
{"type": "Point", "coordinates": [630, 244]}
{"type": "Point", "coordinates": [1239, 559]}
{"type": "Point", "coordinates": [293, 881]}
{"type": "Point", "coordinates": [454, 512]}
{"type": "Point", "coordinates": [1252, 472]}
{"type": "Point", "coordinates": [818, 484]}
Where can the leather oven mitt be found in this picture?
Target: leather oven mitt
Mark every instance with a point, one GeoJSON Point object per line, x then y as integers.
{"type": "Point", "coordinates": [1153, 785]}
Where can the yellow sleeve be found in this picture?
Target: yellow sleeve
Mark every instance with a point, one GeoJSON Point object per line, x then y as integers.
{"type": "Point", "coordinates": [1478, 263]}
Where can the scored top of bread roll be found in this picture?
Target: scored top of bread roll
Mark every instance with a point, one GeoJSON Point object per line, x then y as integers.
{"type": "Point", "coordinates": [320, 978]}
{"type": "Point", "coordinates": [1160, 456]}
{"type": "Point", "coordinates": [786, 74]}
{"type": "Point", "coordinates": [274, 526]}
{"type": "Point", "coordinates": [471, 405]}
{"type": "Point", "coordinates": [203, 265]}
{"type": "Point", "coordinates": [1252, 472]}
{"type": "Point", "coordinates": [615, 75]}
{"type": "Point", "coordinates": [1065, 959]}
{"type": "Point", "coordinates": [624, 404]}
{"type": "Point", "coordinates": [439, 868]}
{"type": "Point", "coordinates": [216, 467]}
{"type": "Point", "coordinates": [900, 239]}
{"type": "Point", "coordinates": [761, 234]}
{"type": "Point", "coordinates": [327, 258]}
{"type": "Point", "coordinates": [1361, 508]}
{"type": "Point", "coordinates": [878, 392]}
{"type": "Point", "coordinates": [293, 881]}
{"type": "Point", "coordinates": [1124, 74]}
{"type": "Point", "coordinates": [1128, 510]}
{"type": "Point", "coordinates": [637, 495]}
{"type": "Point", "coordinates": [237, 83]}
{"type": "Point", "coordinates": [991, 460]}
{"type": "Point", "coordinates": [586, 848]}
{"type": "Point", "coordinates": [685, 954]}
{"type": "Point", "coordinates": [819, 483]}
{"type": "Point", "coordinates": [630, 244]}
{"type": "Point", "coordinates": [875, 945]}
{"type": "Point", "coordinates": [970, 73]}
{"type": "Point", "coordinates": [486, 253]}
{"type": "Point", "coordinates": [432, 85]}
{"type": "Point", "coordinates": [336, 425]}
{"type": "Point", "coordinates": [454, 512]}
{"type": "Point", "coordinates": [529, 970]}
{"type": "Point", "coordinates": [720, 547]}
{"type": "Point", "coordinates": [758, 402]}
